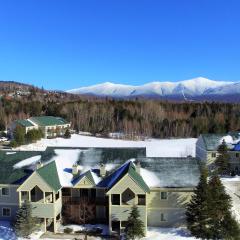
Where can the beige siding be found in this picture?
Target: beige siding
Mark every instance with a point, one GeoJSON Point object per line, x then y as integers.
{"type": "Point", "coordinates": [12, 198]}
{"type": "Point", "coordinates": [175, 199]}
{"type": "Point", "coordinates": [172, 208]}
{"type": "Point", "coordinates": [123, 184]}
{"type": "Point", "coordinates": [121, 213]}
{"type": "Point", "coordinates": [35, 180]}
{"type": "Point", "coordinates": [84, 183]}
{"type": "Point", "coordinates": [46, 210]}
{"type": "Point", "coordinates": [174, 217]}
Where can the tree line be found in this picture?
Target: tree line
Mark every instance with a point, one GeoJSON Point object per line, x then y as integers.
{"type": "Point", "coordinates": [149, 118]}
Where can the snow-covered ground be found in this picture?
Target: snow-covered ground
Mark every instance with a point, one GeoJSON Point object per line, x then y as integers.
{"type": "Point", "coordinates": [232, 185]}
{"type": "Point", "coordinates": [7, 233]}
{"type": "Point", "coordinates": [168, 234]}
{"type": "Point", "coordinates": [154, 147]}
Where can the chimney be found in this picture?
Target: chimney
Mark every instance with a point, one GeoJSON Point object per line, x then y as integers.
{"type": "Point", "coordinates": [138, 166]}
{"type": "Point", "coordinates": [39, 165]}
{"type": "Point", "coordinates": [102, 170]}
{"type": "Point", "coordinates": [75, 169]}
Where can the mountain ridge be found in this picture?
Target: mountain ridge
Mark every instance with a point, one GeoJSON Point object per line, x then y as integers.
{"type": "Point", "coordinates": [196, 87]}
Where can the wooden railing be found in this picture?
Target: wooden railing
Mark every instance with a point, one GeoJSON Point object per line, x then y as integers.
{"type": "Point", "coordinates": [82, 200]}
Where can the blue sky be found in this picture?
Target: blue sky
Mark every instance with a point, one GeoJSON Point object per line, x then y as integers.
{"type": "Point", "coordinates": [72, 43]}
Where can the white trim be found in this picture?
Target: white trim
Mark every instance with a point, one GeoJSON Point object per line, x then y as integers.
{"type": "Point", "coordinates": [163, 199]}
{"type": "Point", "coordinates": [163, 217]}
{"type": "Point", "coordinates": [10, 212]}
{"type": "Point", "coordinates": [5, 195]}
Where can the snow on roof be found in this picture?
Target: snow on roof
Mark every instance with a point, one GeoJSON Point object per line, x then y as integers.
{"type": "Point", "coordinates": [64, 161]}
{"type": "Point", "coordinates": [27, 162]}
{"type": "Point", "coordinates": [228, 139]}
{"type": "Point", "coordinates": [150, 178]}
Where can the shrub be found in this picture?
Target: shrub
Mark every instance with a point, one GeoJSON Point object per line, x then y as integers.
{"type": "Point", "coordinates": [68, 230]}
{"type": "Point", "coordinates": [13, 144]}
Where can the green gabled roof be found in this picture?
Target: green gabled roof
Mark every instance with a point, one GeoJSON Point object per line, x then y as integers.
{"type": "Point", "coordinates": [24, 123]}
{"type": "Point", "coordinates": [49, 174]}
{"type": "Point", "coordinates": [48, 121]}
{"type": "Point", "coordinates": [137, 178]}
{"type": "Point", "coordinates": [87, 174]}
{"type": "Point", "coordinates": [127, 168]}
{"type": "Point", "coordinates": [11, 175]}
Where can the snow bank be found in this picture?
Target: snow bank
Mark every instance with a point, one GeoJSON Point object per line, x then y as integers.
{"type": "Point", "coordinates": [27, 162]}
{"type": "Point", "coordinates": [150, 178]}
{"type": "Point", "coordinates": [85, 227]}
{"type": "Point", "coordinates": [232, 186]}
{"type": "Point", "coordinates": [154, 147]}
{"type": "Point", "coordinates": [168, 234]}
{"type": "Point", "coordinates": [6, 231]}
{"type": "Point", "coordinates": [10, 153]}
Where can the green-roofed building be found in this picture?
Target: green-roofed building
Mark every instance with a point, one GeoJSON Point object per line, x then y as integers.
{"type": "Point", "coordinates": [51, 126]}
{"type": "Point", "coordinates": [207, 149]}
{"type": "Point", "coordinates": [96, 185]}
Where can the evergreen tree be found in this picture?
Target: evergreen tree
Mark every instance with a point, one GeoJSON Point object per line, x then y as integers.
{"type": "Point", "coordinates": [19, 135]}
{"type": "Point", "coordinates": [222, 161]}
{"type": "Point", "coordinates": [25, 224]}
{"type": "Point", "coordinates": [67, 134]}
{"type": "Point", "coordinates": [197, 209]}
{"type": "Point", "coordinates": [135, 227]}
{"type": "Point", "coordinates": [222, 225]}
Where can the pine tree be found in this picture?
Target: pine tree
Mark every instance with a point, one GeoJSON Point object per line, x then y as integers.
{"type": "Point", "coordinates": [25, 224]}
{"type": "Point", "coordinates": [222, 225]}
{"type": "Point", "coordinates": [222, 161]}
{"type": "Point", "coordinates": [197, 209]}
{"type": "Point", "coordinates": [19, 135]}
{"type": "Point", "coordinates": [135, 227]}
{"type": "Point", "coordinates": [67, 134]}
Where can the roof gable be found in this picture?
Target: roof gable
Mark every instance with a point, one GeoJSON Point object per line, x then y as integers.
{"type": "Point", "coordinates": [116, 176]}
{"type": "Point", "coordinates": [49, 173]}
{"type": "Point", "coordinates": [87, 176]}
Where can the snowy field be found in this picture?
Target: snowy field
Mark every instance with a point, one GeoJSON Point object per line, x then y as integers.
{"type": "Point", "coordinates": [6, 233]}
{"type": "Point", "coordinates": [168, 234]}
{"type": "Point", "coordinates": [154, 147]}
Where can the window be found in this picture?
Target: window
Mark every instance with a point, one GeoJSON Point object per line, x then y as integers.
{"type": "Point", "coordinates": [57, 196]}
{"type": "Point", "coordinates": [141, 200]}
{"type": "Point", "coordinates": [6, 212]}
{"type": "Point", "coordinates": [24, 196]}
{"type": "Point", "coordinates": [124, 224]}
{"type": "Point", "coordinates": [163, 195]}
{"type": "Point", "coordinates": [163, 217]}
{"type": "Point", "coordinates": [116, 199]}
{"type": "Point", "coordinates": [5, 191]}
{"type": "Point", "coordinates": [237, 155]}
{"type": "Point", "coordinates": [213, 155]}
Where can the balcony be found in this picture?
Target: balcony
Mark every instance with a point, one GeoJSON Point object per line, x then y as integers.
{"type": "Point", "coordinates": [46, 210]}
{"type": "Point", "coordinates": [68, 200]}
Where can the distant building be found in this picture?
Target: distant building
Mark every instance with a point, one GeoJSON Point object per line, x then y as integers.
{"type": "Point", "coordinates": [51, 126]}
{"type": "Point", "coordinates": [207, 149]}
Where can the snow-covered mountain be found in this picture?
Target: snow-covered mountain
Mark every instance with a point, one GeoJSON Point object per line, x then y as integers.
{"type": "Point", "coordinates": [197, 87]}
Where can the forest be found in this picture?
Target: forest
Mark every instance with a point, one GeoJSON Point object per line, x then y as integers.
{"type": "Point", "coordinates": [148, 118]}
